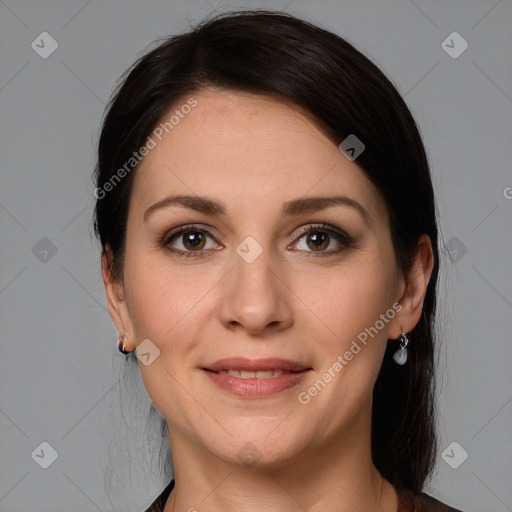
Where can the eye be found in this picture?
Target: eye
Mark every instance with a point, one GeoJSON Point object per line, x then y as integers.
{"type": "Point", "coordinates": [192, 242]}
{"type": "Point", "coordinates": [319, 238]}
{"type": "Point", "coordinates": [188, 241]}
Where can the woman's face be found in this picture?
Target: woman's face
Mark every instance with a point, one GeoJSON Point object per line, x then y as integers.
{"type": "Point", "coordinates": [259, 279]}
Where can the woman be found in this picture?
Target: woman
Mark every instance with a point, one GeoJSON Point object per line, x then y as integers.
{"type": "Point", "coordinates": [269, 249]}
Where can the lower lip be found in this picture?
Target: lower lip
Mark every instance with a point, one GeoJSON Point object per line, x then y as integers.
{"type": "Point", "coordinates": [256, 388]}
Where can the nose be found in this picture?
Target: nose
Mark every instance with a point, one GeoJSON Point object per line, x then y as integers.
{"type": "Point", "coordinates": [255, 297]}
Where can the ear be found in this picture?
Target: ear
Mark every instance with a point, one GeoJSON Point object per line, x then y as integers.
{"type": "Point", "coordinates": [114, 291]}
{"type": "Point", "coordinates": [414, 288]}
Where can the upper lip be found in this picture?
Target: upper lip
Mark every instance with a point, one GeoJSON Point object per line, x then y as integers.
{"type": "Point", "coordinates": [255, 365]}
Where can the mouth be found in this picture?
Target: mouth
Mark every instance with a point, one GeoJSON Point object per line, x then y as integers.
{"type": "Point", "coordinates": [255, 378]}
{"type": "Point", "coordinates": [255, 368]}
{"type": "Point", "coordinates": [261, 374]}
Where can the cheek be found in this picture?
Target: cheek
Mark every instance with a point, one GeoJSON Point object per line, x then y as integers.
{"type": "Point", "coordinates": [167, 305]}
{"type": "Point", "coordinates": [152, 294]}
{"type": "Point", "coordinates": [349, 298]}
{"type": "Point", "coordinates": [163, 308]}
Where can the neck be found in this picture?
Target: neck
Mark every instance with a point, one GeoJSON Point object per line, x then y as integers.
{"type": "Point", "coordinates": [337, 477]}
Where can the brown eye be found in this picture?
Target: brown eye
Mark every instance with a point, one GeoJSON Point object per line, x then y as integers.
{"type": "Point", "coordinates": [317, 240]}
{"type": "Point", "coordinates": [193, 240]}
{"type": "Point", "coordinates": [189, 241]}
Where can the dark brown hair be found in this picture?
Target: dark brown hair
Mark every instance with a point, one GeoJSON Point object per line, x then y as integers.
{"type": "Point", "coordinates": [278, 55]}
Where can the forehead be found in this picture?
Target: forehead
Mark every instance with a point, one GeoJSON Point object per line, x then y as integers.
{"type": "Point", "coordinates": [234, 145]}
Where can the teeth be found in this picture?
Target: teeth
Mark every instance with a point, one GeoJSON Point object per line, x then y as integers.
{"type": "Point", "coordinates": [242, 374]}
{"type": "Point", "coordinates": [264, 374]}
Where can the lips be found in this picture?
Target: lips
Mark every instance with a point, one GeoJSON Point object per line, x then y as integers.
{"type": "Point", "coordinates": [243, 364]}
{"type": "Point", "coordinates": [255, 378]}
{"type": "Point", "coordinates": [261, 374]}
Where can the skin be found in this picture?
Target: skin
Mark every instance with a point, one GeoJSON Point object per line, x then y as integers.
{"type": "Point", "coordinates": [253, 153]}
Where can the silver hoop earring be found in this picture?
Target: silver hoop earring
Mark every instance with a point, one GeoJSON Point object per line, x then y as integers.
{"type": "Point", "coordinates": [400, 356]}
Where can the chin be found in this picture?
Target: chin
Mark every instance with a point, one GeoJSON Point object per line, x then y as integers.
{"type": "Point", "coordinates": [257, 442]}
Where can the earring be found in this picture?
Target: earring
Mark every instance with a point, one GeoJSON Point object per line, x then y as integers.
{"type": "Point", "coordinates": [121, 345]}
{"type": "Point", "coordinates": [400, 356]}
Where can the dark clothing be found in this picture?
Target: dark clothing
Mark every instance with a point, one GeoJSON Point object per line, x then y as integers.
{"type": "Point", "coordinates": [159, 504]}
{"type": "Point", "coordinates": [407, 502]}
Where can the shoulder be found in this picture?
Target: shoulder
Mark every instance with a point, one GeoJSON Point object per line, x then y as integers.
{"type": "Point", "coordinates": [414, 502]}
{"type": "Point", "coordinates": [159, 504]}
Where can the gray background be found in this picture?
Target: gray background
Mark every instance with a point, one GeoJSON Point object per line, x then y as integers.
{"type": "Point", "coordinates": [61, 378]}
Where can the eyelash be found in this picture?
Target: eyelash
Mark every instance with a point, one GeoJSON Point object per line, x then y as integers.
{"type": "Point", "coordinates": [340, 236]}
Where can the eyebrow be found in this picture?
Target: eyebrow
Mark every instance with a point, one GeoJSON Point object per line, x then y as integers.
{"type": "Point", "coordinates": [293, 207]}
